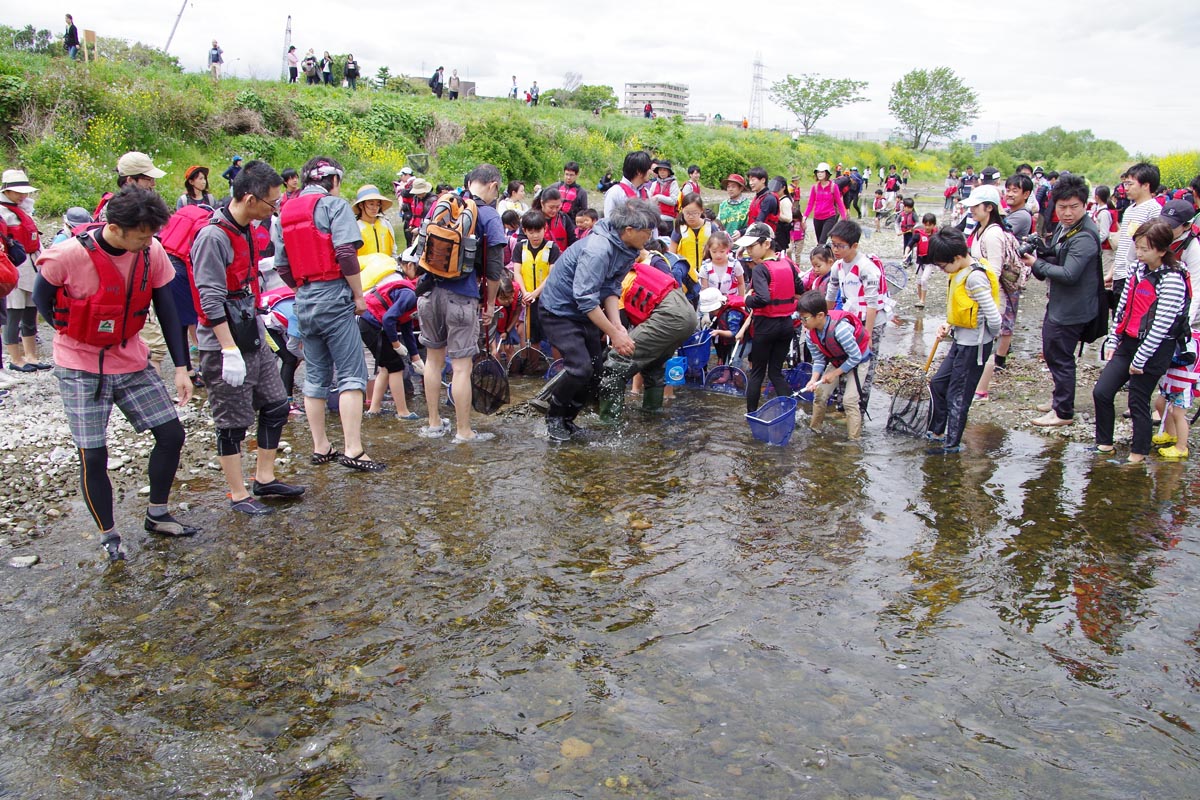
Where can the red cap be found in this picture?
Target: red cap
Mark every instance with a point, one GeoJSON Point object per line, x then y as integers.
{"type": "Point", "coordinates": [738, 179]}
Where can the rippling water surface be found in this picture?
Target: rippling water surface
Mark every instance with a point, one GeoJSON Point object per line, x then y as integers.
{"type": "Point", "coordinates": [671, 611]}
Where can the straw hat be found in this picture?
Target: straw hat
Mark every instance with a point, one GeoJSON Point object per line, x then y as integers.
{"type": "Point", "coordinates": [15, 180]}
{"type": "Point", "coordinates": [371, 192]}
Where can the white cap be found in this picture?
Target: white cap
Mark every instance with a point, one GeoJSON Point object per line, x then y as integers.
{"type": "Point", "coordinates": [983, 194]}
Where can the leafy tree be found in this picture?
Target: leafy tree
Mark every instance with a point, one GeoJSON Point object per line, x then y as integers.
{"type": "Point", "coordinates": [929, 103]}
{"type": "Point", "coordinates": [28, 40]}
{"type": "Point", "coordinates": [960, 154]}
{"type": "Point", "coordinates": [382, 77]}
{"type": "Point", "coordinates": [138, 54]}
{"type": "Point", "coordinates": [811, 97]}
{"type": "Point", "coordinates": [588, 97]}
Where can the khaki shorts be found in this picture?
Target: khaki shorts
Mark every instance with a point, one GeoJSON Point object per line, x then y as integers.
{"type": "Point", "coordinates": [449, 321]}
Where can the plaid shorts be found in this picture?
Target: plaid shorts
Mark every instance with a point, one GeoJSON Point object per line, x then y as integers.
{"type": "Point", "coordinates": [141, 396]}
{"type": "Point", "coordinates": [235, 407]}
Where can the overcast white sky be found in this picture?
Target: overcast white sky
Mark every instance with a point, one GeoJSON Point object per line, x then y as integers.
{"type": "Point", "coordinates": [1078, 78]}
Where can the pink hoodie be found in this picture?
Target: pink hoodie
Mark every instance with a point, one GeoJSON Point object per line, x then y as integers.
{"type": "Point", "coordinates": [824, 203]}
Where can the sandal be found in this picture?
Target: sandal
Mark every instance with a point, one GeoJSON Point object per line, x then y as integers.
{"type": "Point", "coordinates": [358, 463]}
{"type": "Point", "coordinates": [325, 458]}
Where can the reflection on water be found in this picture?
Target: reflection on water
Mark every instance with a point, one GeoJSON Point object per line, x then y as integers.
{"type": "Point", "coordinates": [668, 611]}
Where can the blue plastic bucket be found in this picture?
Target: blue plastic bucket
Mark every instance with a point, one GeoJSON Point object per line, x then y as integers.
{"type": "Point", "coordinates": [697, 350]}
{"type": "Point", "coordinates": [676, 370]}
{"type": "Point", "coordinates": [774, 421]}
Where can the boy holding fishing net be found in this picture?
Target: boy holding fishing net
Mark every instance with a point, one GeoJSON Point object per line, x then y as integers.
{"type": "Point", "coordinates": [838, 342]}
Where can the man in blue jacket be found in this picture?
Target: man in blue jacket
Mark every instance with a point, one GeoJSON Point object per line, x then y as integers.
{"type": "Point", "coordinates": [579, 306]}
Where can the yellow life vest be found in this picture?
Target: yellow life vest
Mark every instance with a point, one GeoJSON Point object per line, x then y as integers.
{"type": "Point", "coordinates": [690, 247]}
{"type": "Point", "coordinates": [375, 267]}
{"type": "Point", "coordinates": [534, 266]}
{"type": "Point", "coordinates": [377, 237]}
{"type": "Point", "coordinates": [962, 310]}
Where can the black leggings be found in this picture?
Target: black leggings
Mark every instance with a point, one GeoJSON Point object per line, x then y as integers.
{"type": "Point", "coordinates": [287, 370]}
{"type": "Point", "coordinates": [821, 228]}
{"type": "Point", "coordinates": [164, 461]}
{"type": "Point", "coordinates": [770, 348]}
{"type": "Point", "coordinates": [1141, 390]}
{"type": "Point", "coordinates": [23, 321]}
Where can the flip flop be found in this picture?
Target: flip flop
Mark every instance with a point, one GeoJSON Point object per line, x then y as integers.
{"type": "Point", "coordinates": [325, 458]}
{"type": "Point", "coordinates": [358, 463]}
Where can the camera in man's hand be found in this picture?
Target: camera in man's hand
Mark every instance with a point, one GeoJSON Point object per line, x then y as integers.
{"type": "Point", "coordinates": [1034, 245]}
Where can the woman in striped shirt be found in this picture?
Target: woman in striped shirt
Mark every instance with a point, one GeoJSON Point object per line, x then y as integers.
{"type": "Point", "coordinates": [1151, 308]}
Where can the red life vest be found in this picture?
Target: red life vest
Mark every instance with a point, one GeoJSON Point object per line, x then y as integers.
{"type": "Point", "coordinates": [831, 348]}
{"type": "Point", "coordinates": [310, 251]}
{"type": "Point", "coordinates": [892, 183]}
{"type": "Point", "coordinates": [556, 229]}
{"type": "Point", "coordinates": [181, 229]}
{"type": "Point", "coordinates": [27, 234]}
{"type": "Point", "coordinates": [650, 285]}
{"type": "Point", "coordinates": [241, 275]}
{"type": "Point", "coordinates": [755, 205]}
{"type": "Point", "coordinates": [262, 236]}
{"type": "Point", "coordinates": [380, 299]}
{"type": "Point", "coordinates": [116, 312]}
{"type": "Point", "coordinates": [104, 198]}
{"type": "Point", "coordinates": [782, 301]}
{"type": "Point", "coordinates": [507, 316]}
{"type": "Point", "coordinates": [1179, 245]}
{"type": "Point", "coordinates": [568, 194]}
{"type": "Point", "coordinates": [1114, 225]}
{"type": "Point", "coordinates": [1141, 302]}
{"type": "Point", "coordinates": [922, 244]}
{"type": "Point", "coordinates": [419, 205]}
{"type": "Point", "coordinates": [666, 209]}
{"type": "Point", "coordinates": [814, 282]}
{"type": "Point", "coordinates": [630, 192]}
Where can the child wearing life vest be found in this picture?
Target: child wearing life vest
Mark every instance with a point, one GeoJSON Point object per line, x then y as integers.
{"type": "Point", "coordinates": [532, 260]}
{"type": "Point", "coordinates": [504, 332]}
{"type": "Point", "coordinates": [923, 234]}
{"type": "Point", "coordinates": [719, 269]}
{"type": "Point", "coordinates": [584, 220]}
{"type": "Point", "coordinates": [973, 323]}
{"type": "Point", "coordinates": [391, 306]}
{"type": "Point", "coordinates": [817, 279]}
{"type": "Point", "coordinates": [860, 282]}
{"type": "Point", "coordinates": [1152, 309]}
{"type": "Point", "coordinates": [837, 343]}
{"type": "Point", "coordinates": [908, 222]}
{"type": "Point", "coordinates": [879, 206]}
{"type": "Point", "coordinates": [559, 228]}
{"type": "Point", "coordinates": [775, 284]}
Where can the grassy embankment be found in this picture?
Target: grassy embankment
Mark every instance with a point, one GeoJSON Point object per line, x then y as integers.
{"type": "Point", "coordinates": [66, 124]}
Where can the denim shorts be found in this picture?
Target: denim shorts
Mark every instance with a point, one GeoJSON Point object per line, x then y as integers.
{"type": "Point", "coordinates": [325, 311]}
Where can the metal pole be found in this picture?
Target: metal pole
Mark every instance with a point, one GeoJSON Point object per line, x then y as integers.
{"type": "Point", "coordinates": [175, 26]}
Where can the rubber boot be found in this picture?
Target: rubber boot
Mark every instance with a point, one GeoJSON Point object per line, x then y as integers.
{"type": "Point", "coordinates": [612, 403]}
{"type": "Point", "coordinates": [819, 406]}
{"type": "Point", "coordinates": [556, 429]}
{"type": "Point", "coordinates": [652, 398]}
{"type": "Point", "coordinates": [854, 421]}
{"type": "Point", "coordinates": [541, 401]}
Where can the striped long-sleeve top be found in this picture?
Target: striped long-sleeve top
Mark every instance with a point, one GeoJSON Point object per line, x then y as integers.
{"type": "Point", "coordinates": [1171, 293]}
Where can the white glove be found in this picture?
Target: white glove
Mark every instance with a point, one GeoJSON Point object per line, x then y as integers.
{"type": "Point", "coordinates": [400, 349]}
{"type": "Point", "coordinates": [233, 367]}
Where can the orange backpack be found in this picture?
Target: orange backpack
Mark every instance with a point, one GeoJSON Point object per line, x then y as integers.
{"type": "Point", "coordinates": [447, 245]}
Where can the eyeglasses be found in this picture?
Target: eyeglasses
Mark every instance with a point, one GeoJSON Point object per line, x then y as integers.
{"type": "Point", "coordinates": [275, 204]}
{"type": "Point", "coordinates": [806, 317]}
{"type": "Point", "coordinates": [693, 214]}
{"type": "Point", "coordinates": [839, 246]}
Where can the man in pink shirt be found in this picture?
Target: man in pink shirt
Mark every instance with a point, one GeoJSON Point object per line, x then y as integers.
{"type": "Point", "coordinates": [96, 290]}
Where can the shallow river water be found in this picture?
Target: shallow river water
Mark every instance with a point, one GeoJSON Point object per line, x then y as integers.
{"type": "Point", "coordinates": [673, 610]}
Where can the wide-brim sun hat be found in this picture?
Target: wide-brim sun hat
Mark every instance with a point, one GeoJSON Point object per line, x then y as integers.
{"type": "Point", "coordinates": [192, 170]}
{"type": "Point", "coordinates": [371, 192]}
{"type": "Point", "coordinates": [15, 180]}
{"type": "Point", "coordinates": [711, 299]}
{"type": "Point", "coordinates": [420, 186]}
{"type": "Point", "coordinates": [823, 167]}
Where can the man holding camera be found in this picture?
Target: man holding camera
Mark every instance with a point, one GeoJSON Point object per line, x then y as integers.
{"type": "Point", "coordinates": [1071, 265]}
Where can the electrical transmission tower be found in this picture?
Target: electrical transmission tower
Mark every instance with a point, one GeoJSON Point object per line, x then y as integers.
{"type": "Point", "coordinates": [756, 93]}
{"type": "Point", "coordinates": [287, 42]}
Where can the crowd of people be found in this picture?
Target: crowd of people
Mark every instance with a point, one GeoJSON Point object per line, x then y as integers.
{"type": "Point", "coordinates": [284, 270]}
